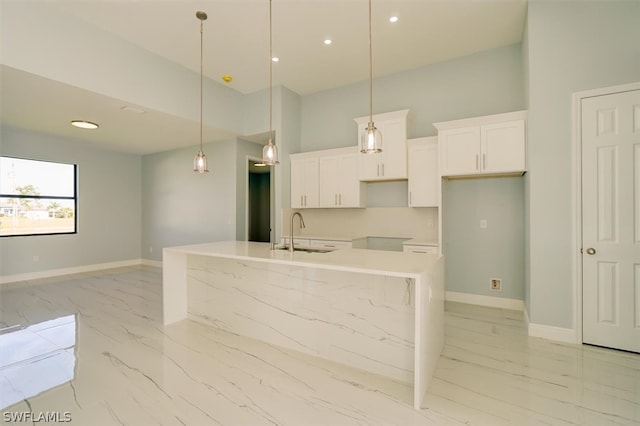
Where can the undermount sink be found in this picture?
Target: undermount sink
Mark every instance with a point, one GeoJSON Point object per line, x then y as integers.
{"type": "Point", "coordinates": [306, 249]}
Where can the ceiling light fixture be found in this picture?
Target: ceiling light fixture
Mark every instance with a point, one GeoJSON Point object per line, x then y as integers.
{"type": "Point", "coordinates": [393, 19]}
{"type": "Point", "coordinates": [275, 59]}
{"type": "Point", "coordinates": [270, 151]}
{"type": "Point", "coordinates": [328, 42]}
{"type": "Point", "coordinates": [200, 161]}
{"type": "Point", "coordinates": [84, 124]}
{"type": "Point", "coordinates": [371, 142]}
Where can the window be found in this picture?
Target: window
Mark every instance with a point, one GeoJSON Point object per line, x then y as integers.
{"type": "Point", "coordinates": [37, 197]}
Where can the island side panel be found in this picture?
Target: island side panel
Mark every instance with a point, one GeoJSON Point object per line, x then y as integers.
{"type": "Point", "coordinates": [429, 328]}
{"type": "Point", "coordinates": [362, 320]}
{"type": "Point", "coordinates": [174, 286]}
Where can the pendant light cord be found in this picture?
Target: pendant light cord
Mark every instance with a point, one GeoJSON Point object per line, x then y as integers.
{"type": "Point", "coordinates": [201, 76]}
{"type": "Point", "coordinates": [270, 77]}
{"type": "Point", "coordinates": [370, 70]}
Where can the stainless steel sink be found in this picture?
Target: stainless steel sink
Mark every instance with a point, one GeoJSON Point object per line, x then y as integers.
{"type": "Point", "coordinates": [306, 249]}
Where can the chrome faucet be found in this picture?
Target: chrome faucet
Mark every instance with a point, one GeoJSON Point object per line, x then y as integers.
{"type": "Point", "coordinates": [294, 214]}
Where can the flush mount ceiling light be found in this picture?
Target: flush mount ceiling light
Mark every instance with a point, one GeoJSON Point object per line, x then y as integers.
{"type": "Point", "coordinates": [327, 41]}
{"type": "Point", "coordinates": [270, 151]}
{"type": "Point", "coordinates": [200, 161]}
{"type": "Point", "coordinates": [393, 19]}
{"type": "Point", "coordinates": [371, 142]}
{"type": "Point", "coordinates": [84, 124]}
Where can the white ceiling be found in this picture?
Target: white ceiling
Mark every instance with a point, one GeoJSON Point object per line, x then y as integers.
{"type": "Point", "coordinates": [236, 43]}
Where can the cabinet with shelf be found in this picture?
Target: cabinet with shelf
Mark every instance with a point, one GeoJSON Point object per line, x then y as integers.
{"type": "Point", "coordinates": [483, 146]}
{"type": "Point", "coordinates": [391, 163]}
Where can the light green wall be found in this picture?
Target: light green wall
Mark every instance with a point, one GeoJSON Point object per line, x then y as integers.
{"type": "Point", "coordinates": [572, 46]}
{"type": "Point", "coordinates": [183, 207]}
{"type": "Point", "coordinates": [474, 255]}
{"type": "Point", "coordinates": [109, 211]}
{"type": "Point", "coordinates": [480, 84]}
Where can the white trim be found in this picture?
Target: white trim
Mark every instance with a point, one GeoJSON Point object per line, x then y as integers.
{"type": "Point", "coordinates": [577, 197]}
{"type": "Point", "coordinates": [5, 279]}
{"type": "Point", "coordinates": [567, 335]}
{"type": "Point", "coordinates": [490, 301]}
{"type": "Point", "coordinates": [150, 262]}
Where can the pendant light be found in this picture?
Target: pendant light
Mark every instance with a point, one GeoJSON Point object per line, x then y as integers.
{"type": "Point", "coordinates": [200, 161]}
{"type": "Point", "coordinates": [270, 151]}
{"type": "Point", "coordinates": [371, 142]}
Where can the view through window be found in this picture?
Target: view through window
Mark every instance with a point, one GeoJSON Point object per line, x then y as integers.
{"type": "Point", "coordinates": [37, 197]}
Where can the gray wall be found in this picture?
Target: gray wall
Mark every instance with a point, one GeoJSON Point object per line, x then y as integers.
{"type": "Point", "coordinates": [572, 46]}
{"type": "Point", "coordinates": [109, 211]}
{"type": "Point", "coordinates": [183, 207]}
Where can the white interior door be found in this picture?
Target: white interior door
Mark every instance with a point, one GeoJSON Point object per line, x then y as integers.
{"type": "Point", "coordinates": [611, 220]}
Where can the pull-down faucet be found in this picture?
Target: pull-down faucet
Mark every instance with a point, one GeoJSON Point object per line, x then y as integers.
{"type": "Point", "coordinates": [294, 214]}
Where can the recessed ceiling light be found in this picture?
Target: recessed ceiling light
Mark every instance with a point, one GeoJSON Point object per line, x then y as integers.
{"type": "Point", "coordinates": [393, 19]}
{"type": "Point", "coordinates": [84, 124]}
{"type": "Point", "coordinates": [275, 59]}
{"type": "Point", "coordinates": [328, 42]}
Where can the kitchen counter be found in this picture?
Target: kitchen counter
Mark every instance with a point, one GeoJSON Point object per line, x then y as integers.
{"type": "Point", "coordinates": [379, 311]}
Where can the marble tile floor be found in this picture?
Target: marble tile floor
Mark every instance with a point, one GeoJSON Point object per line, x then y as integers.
{"type": "Point", "coordinates": [91, 348]}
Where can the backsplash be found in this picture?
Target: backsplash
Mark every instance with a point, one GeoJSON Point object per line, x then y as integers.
{"type": "Point", "coordinates": [406, 222]}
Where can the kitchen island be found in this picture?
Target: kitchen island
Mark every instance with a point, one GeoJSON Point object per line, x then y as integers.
{"type": "Point", "coordinates": [378, 311]}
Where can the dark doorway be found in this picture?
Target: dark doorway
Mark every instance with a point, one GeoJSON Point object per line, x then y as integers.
{"type": "Point", "coordinates": [259, 216]}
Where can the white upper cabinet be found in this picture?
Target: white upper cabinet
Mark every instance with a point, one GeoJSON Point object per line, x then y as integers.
{"type": "Point", "coordinates": [326, 179]}
{"type": "Point", "coordinates": [391, 163]}
{"type": "Point", "coordinates": [492, 145]}
{"type": "Point", "coordinates": [424, 177]}
{"type": "Point", "coordinates": [339, 183]}
{"type": "Point", "coordinates": [304, 181]}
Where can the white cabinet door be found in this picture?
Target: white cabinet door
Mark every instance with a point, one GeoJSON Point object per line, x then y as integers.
{"type": "Point", "coordinates": [391, 163]}
{"type": "Point", "coordinates": [460, 151]}
{"type": "Point", "coordinates": [352, 191]}
{"type": "Point", "coordinates": [304, 183]}
{"type": "Point", "coordinates": [409, 248]}
{"type": "Point", "coordinates": [489, 145]}
{"type": "Point", "coordinates": [424, 178]}
{"type": "Point", "coordinates": [330, 175]}
{"type": "Point", "coordinates": [502, 147]}
{"type": "Point", "coordinates": [339, 182]}
{"type": "Point", "coordinates": [330, 244]}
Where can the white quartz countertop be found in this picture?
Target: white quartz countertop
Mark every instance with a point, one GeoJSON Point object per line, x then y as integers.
{"type": "Point", "coordinates": [323, 237]}
{"type": "Point", "coordinates": [378, 262]}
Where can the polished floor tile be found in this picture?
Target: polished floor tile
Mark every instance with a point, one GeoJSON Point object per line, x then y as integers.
{"type": "Point", "coordinates": [91, 348]}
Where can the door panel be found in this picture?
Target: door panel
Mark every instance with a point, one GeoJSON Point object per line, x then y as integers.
{"type": "Point", "coordinates": [610, 220]}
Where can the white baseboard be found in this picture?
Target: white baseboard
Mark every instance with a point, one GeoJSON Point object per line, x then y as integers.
{"type": "Point", "coordinates": [5, 279]}
{"type": "Point", "coordinates": [155, 263]}
{"type": "Point", "coordinates": [559, 334]}
{"type": "Point", "coordinates": [490, 301]}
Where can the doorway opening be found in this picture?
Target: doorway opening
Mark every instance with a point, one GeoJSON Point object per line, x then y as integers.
{"type": "Point", "coordinates": [258, 201]}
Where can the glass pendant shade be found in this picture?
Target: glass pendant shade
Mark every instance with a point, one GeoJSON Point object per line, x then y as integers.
{"type": "Point", "coordinates": [270, 154]}
{"type": "Point", "coordinates": [200, 164]}
{"type": "Point", "coordinates": [371, 142]}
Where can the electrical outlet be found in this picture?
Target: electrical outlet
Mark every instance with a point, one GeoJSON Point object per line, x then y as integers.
{"type": "Point", "coordinates": [496, 284]}
{"type": "Point", "coordinates": [483, 223]}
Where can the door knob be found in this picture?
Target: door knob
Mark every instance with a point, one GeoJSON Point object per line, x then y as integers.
{"type": "Point", "coordinates": [591, 251]}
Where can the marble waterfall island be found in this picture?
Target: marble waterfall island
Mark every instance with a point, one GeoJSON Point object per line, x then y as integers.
{"type": "Point", "coordinates": [374, 310]}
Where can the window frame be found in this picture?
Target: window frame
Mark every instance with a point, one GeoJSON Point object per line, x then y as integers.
{"type": "Point", "coordinates": [74, 197]}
